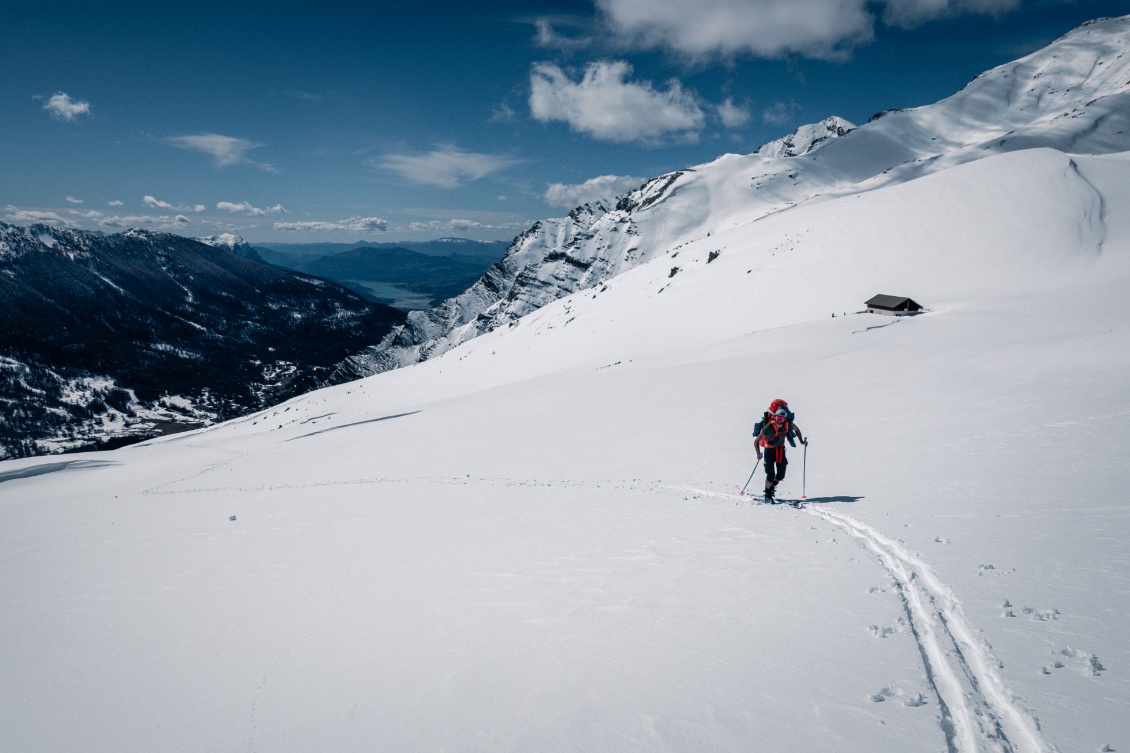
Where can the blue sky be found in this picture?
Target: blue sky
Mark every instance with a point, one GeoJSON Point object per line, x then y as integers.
{"type": "Point", "coordinates": [340, 121]}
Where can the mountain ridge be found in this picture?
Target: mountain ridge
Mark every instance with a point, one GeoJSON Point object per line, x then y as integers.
{"type": "Point", "coordinates": [1072, 95]}
{"type": "Point", "coordinates": [109, 337]}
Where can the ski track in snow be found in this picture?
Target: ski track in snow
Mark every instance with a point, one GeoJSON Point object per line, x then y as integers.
{"type": "Point", "coordinates": [978, 712]}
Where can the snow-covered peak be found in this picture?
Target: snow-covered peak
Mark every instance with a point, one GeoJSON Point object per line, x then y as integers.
{"type": "Point", "coordinates": [225, 240]}
{"type": "Point", "coordinates": [806, 139]}
{"type": "Point", "coordinates": [233, 243]}
{"type": "Point", "coordinates": [39, 238]}
{"type": "Point", "coordinates": [1071, 96]}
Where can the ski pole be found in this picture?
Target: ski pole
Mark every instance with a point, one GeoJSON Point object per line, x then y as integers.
{"type": "Point", "coordinates": [742, 493]}
{"type": "Point", "coordinates": [804, 473]}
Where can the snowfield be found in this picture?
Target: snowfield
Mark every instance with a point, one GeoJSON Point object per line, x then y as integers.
{"type": "Point", "coordinates": [535, 541]}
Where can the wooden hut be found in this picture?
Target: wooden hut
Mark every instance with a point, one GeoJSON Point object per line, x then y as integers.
{"type": "Point", "coordinates": [893, 305]}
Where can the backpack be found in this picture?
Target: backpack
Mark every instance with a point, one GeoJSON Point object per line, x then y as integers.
{"type": "Point", "coordinates": [789, 416]}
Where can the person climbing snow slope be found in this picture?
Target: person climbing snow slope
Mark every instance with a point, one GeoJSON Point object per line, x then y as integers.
{"type": "Point", "coordinates": [775, 428]}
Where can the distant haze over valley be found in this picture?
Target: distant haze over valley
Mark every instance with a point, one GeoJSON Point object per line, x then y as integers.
{"type": "Point", "coordinates": [409, 276]}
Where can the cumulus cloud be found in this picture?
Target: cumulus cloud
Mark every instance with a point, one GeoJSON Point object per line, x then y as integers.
{"type": "Point", "coordinates": [115, 203]}
{"type": "Point", "coordinates": [155, 203]}
{"type": "Point", "coordinates": [160, 222]}
{"type": "Point", "coordinates": [244, 207]}
{"type": "Point", "coordinates": [19, 216]}
{"type": "Point", "coordinates": [73, 200]}
{"type": "Point", "coordinates": [822, 29]}
{"type": "Point", "coordinates": [225, 150]}
{"type": "Point", "coordinates": [61, 106]}
{"type": "Point", "coordinates": [352, 225]}
{"type": "Point", "coordinates": [93, 217]}
{"type": "Point", "coordinates": [606, 106]}
{"type": "Point", "coordinates": [444, 167]}
{"type": "Point", "coordinates": [567, 196]}
{"type": "Point", "coordinates": [733, 116]}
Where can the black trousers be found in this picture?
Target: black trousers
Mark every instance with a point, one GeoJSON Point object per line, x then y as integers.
{"type": "Point", "coordinates": [775, 464]}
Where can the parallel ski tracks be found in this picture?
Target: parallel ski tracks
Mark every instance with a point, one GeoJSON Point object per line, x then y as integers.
{"type": "Point", "coordinates": [978, 712]}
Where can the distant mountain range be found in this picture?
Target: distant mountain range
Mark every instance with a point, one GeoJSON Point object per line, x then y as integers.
{"type": "Point", "coordinates": [410, 275]}
{"type": "Point", "coordinates": [112, 338]}
{"type": "Point", "coordinates": [489, 251]}
{"type": "Point", "coordinates": [1072, 96]}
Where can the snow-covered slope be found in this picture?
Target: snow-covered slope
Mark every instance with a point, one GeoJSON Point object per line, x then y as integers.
{"type": "Point", "coordinates": [1073, 96]}
{"type": "Point", "coordinates": [534, 542]}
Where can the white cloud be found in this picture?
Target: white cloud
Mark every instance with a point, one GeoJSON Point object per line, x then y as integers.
{"type": "Point", "coordinates": [604, 105]}
{"type": "Point", "coordinates": [94, 217]}
{"type": "Point", "coordinates": [824, 29]}
{"type": "Point", "coordinates": [158, 221]}
{"type": "Point", "coordinates": [244, 207]}
{"type": "Point", "coordinates": [733, 116]}
{"type": "Point", "coordinates": [156, 203]}
{"type": "Point", "coordinates": [73, 200]}
{"type": "Point", "coordinates": [33, 217]}
{"type": "Point", "coordinates": [779, 113]}
{"type": "Point", "coordinates": [115, 203]}
{"type": "Point", "coordinates": [61, 106]}
{"type": "Point", "coordinates": [503, 113]}
{"type": "Point", "coordinates": [444, 167]}
{"type": "Point", "coordinates": [441, 226]}
{"type": "Point", "coordinates": [567, 196]}
{"type": "Point", "coordinates": [549, 33]}
{"type": "Point", "coordinates": [352, 225]}
{"type": "Point", "coordinates": [225, 150]}
{"type": "Point", "coordinates": [911, 13]}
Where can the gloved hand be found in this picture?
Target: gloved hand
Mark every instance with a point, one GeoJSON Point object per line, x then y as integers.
{"type": "Point", "coordinates": [804, 442]}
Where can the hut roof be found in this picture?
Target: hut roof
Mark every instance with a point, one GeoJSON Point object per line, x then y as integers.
{"type": "Point", "coordinates": [893, 302]}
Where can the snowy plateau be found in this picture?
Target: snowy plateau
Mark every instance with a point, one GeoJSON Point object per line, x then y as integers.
{"type": "Point", "coordinates": [533, 538]}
